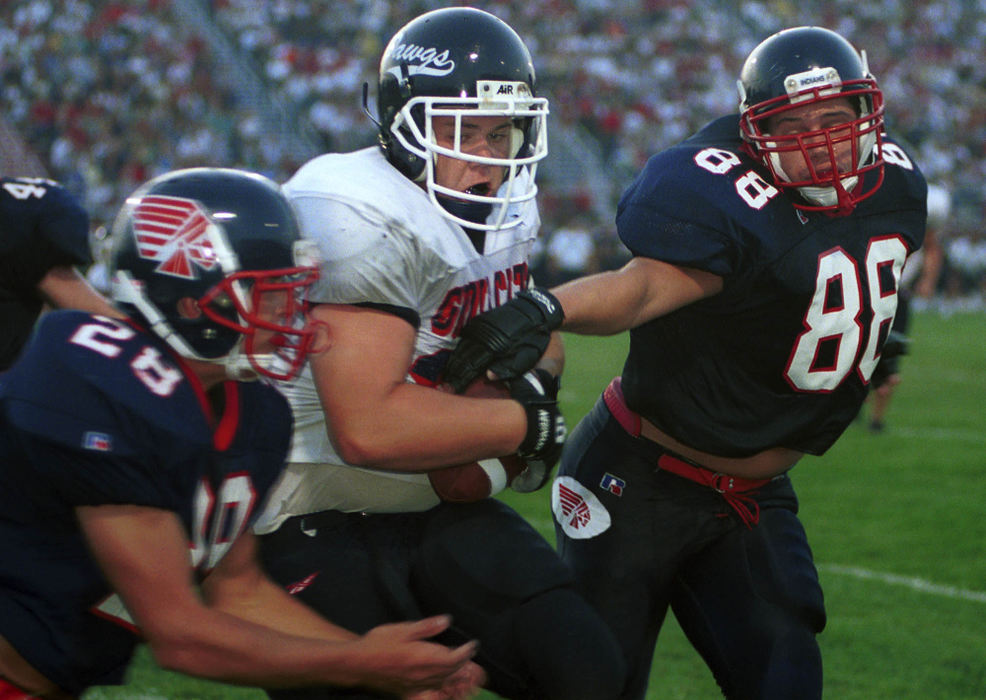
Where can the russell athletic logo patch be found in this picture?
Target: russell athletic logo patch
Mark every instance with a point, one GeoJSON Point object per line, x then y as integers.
{"type": "Point", "coordinates": [613, 484]}
{"type": "Point", "coordinates": [101, 442]}
{"type": "Point", "coordinates": [577, 509]}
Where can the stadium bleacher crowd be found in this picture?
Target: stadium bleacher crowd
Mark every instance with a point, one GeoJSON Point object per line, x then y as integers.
{"type": "Point", "coordinates": [108, 93]}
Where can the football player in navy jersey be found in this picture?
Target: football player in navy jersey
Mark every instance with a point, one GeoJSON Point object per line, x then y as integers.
{"type": "Point", "coordinates": [417, 235]}
{"type": "Point", "coordinates": [768, 249]}
{"type": "Point", "coordinates": [135, 454]}
{"type": "Point", "coordinates": [44, 238]}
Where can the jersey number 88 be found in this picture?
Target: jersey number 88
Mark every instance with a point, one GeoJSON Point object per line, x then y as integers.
{"type": "Point", "coordinates": [831, 324]}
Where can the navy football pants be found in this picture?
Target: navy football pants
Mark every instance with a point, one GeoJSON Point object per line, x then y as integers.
{"type": "Point", "coordinates": [481, 562]}
{"type": "Point", "coordinates": [747, 598]}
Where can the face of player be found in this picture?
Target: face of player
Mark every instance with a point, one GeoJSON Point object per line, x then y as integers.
{"type": "Point", "coordinates": [275, 307]}
{"type": "Point", "coordinates": [487, 137]}
{"type": "Point", "coordinates": [829, 114]}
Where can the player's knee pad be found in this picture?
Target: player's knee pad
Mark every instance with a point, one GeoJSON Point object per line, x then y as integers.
{"type": "Point", "coordinates": [477, 560]}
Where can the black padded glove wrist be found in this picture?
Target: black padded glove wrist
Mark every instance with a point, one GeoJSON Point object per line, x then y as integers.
{"type": "Point", "coordinates": [546, 304]}
{"type": "Point", "coordinates": [537, 391]}
{"type": "Point", "coordinates": [508, 340]}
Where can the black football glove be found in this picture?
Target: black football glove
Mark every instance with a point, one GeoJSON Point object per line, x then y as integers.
{"type": "Point", "coordinates": [509, 340]}
{"type": "Point", "coordinates": [537, 391]}
{"type": "Point", "coordinates": [893, 348]}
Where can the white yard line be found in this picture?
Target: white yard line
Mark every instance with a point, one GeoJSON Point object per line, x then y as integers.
{"type": "Point", "coordinates": [974, 437]}
{"type": "Point", "coordinates": [912, 582]}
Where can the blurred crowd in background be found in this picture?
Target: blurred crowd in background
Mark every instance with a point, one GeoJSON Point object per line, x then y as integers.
{"type": "Point", "coordinates": [106, 94]}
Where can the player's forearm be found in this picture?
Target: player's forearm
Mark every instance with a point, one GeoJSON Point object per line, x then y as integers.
{"type": "Point", "coordinates": [222, 647]}
{"type": "Point", "coordinates": [416, 428]}
{"type": "Point", "coordinates": [263, 602]}
{"type": "Point", "coordinates": [396, 659]}
{"type": "Point", "coordinates": [642, 290]}
{"type": "Point", "coordinates": [605, 303]}
{"type": "Point", "coordinates": [930, 272]}
{"type": "Point", "coordinates": [590, 307]}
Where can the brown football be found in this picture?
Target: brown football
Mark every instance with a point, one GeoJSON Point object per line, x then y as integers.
{"type": "Point", "coordinates": [478, 480]}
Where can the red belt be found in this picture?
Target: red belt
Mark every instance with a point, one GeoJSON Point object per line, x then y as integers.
{"type": "Point", "coordinates": [9, 691]}
{"type": "Point", "coordinates": [736, 490]}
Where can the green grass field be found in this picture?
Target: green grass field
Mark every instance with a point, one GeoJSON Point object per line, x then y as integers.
{"type": "Point", "coordinates": [897, 523]}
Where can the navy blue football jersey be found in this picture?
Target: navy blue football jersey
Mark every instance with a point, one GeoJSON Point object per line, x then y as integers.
{"type": "Point", "coordinates": [96, 412]}
{"type": "Point", "coordinates": [41, 226]}
{"type": "Point", "coordinates": [783, 355]}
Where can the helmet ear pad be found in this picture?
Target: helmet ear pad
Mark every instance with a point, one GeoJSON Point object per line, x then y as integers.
{"type": "Point", "coordinates": [521, 138]}
{"type": "Point", "coordinates": [191, 322]}
{"type": "Point", "coordinates": [410, 165]}
{"type": "Point", "coordinates": [394, 91]}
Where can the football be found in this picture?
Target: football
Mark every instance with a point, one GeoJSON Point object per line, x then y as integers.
{"type": "Point", "coordinates": [475, 481]}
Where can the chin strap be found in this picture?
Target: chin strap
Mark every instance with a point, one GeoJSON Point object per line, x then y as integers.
{"type": "Point", "coordinates": [846, 202]}
{"type": "Point", "coordinates": [477, 212]}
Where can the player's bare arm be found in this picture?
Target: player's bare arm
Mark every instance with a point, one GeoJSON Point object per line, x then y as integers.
{"type": "Point", "coordinates": [612, 302]}
{"type": "Point", "coordinates": [239, 586]}
{"type": "Point", "coordinates": [602, 304]}
{"type": "Point", "coordinates": [144, 554]}
{"type": "Point", "coordinates": [64, 288]}
{"type": "Point", "coordinates": [377, 419]}
{"type": "Point", "coordinates": [934, 261]}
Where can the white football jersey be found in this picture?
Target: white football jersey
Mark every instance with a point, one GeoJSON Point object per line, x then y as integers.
{"type": "Point", "coordinates": [383, 242]}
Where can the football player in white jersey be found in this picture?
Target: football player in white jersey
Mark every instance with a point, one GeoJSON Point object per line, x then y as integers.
{"type": "Point", "coordinates": [417, 236]}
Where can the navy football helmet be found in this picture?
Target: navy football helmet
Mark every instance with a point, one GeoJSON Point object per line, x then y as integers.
{"type": "Point", "coordinates": [222, 238]}
{"type": "Point", "coordinates": [807, 65]}
{"type": "Point", "coordinates": [458, 62]}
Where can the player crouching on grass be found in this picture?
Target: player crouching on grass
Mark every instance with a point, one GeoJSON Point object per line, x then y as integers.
{"type": "Point", "coordinates": [135, 455]}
